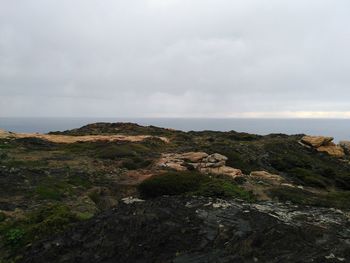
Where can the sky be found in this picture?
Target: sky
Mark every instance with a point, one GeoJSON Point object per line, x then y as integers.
{"type": "Point", "coordinates": [175, 58]}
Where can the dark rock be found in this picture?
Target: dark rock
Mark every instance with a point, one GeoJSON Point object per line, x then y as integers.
{"type": "Point", "coordinates": [197, 230]}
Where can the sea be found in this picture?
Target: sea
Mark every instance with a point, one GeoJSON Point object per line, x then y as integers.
{"type": "Point", "coordinates": [337, 128]}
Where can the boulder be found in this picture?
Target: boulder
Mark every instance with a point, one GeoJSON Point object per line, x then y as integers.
{"type": "Point", "coordinates": [332, 150]}
{"type": "Point", "coordinates": [324, 144]}
{"type": "Point", "coordinates": [266, 176]}
{"type": "Point", "coordinates": [223, 170]}
{"type": "Point", "coordinates": [176, 166]}
{"type": "Point", "coordinates": [217, 164]}
{"type": "Point", "coordinates": [194, 157]}
{"type": "Point", "coordinates": [215, 157]}
{"type": "Point", "coordinates": [200, 161]}
{"type": "Point", "coordinates": [316, 141]}
{"type": "Point", "coordinates": [345, 145]}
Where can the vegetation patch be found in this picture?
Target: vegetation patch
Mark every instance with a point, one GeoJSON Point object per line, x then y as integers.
{"type": "Point", "coordinates": [176, 183]}
{"type": "Point", "coordinates": [339, 199]}
{"type": "Point", "coordinates": [45, 221]}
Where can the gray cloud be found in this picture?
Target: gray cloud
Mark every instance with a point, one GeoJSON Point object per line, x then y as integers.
{"type": "Point", "coordinates": [149, 58]}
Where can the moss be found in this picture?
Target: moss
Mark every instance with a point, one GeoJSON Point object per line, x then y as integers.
{"type": "Point", "coordinates": [176, 183]}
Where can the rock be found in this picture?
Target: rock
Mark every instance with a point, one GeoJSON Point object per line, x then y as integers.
{"type": "Point", "coordinates": [188, 229]}
{"type": "Point", "coordinates": [194, 157]}
{"type": "Point", "coordinates": [332, 150]}
{"type": "Point", "coordinates": [200, 161]}
{"type": "Point", "coordinates": [223, 170]}
{"type": "Point", "coordinates": [316, 141]}
{"type": "Point", "coordinates": [176, 166]}
{"type": "Point", "coordinates": [345, 145]}
{"type": "Point", "coordinates": [216, 157]}
{"type": "Point", "coordinates": [263, 175]}
{"type": "Point", "coordinates": [217, 164]}
{"type": "Point", "coordinates": [4, 134]}
{"type": "Point", "coordinates": [324, 144]}
{"type": "Point", "coordinates": [130, 200]}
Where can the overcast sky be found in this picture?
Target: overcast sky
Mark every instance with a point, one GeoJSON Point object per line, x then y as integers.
{"type": "Point", "coordinates": [175, 58]}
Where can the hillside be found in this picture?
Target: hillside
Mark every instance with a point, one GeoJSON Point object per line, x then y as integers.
{"type": "Point", "coordinates": [72, 187]}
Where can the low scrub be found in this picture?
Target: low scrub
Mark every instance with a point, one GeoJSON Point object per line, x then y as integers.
{"type": "Point", "coordinates": [45, 221]}
{"type": "Point", "coordinates": [177, 183]}
{"type": "Point", "coordinates": [339, 199]}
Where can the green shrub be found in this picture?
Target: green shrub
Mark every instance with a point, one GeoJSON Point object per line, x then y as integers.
{"type": "Point", "coordinates": [14, 237]}
{"type": "Point", "coordinates": [176, 183]}
{"type": "Point", "coordinates": [135, 163]}
{"type": "Point", "coordinates": [172, 183]}
{"type": "Point", "coordinates": [223, 188]}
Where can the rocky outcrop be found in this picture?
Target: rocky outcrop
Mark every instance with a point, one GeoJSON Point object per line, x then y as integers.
{"type": "Point", "coordinates": [266, 176]}
{"type": "Point", "coordinates": [324, 144]}
{"type": "Point", "coordinates": [200, 161]}
{"type": "Point", "coordinates": [4, 134]}
{"type": "Point", "coordinates": [194, 156]}
{"type": "Point", "coordinates": [345, 145]}
{"type": "Point", "coordinates": [188, 229]}
{"type": "Point", "coordinates": [332, 150]}
{"type": "Point", "coordinates": [316, 141]}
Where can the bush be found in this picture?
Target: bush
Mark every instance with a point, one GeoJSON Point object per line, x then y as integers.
{"type": "Point", "coordinates": [172, 183]}
{"type": "Point", "coordinates": [176, 183]}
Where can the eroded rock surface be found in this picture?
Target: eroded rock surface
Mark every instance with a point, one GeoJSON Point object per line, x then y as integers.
{"type": "Point", "coordinates": [200, 161]}
{"type": "Point", "coordinates": [198, 230]}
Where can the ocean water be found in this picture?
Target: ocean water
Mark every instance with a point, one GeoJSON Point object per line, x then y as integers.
{"type": "Point", "coordinates": [338, 128]}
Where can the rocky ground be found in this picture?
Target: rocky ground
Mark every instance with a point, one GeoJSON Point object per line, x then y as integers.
{"type": "Point", "coordinates": [72, 196]}
{"type": "Point", "coordinates": [196, 230]}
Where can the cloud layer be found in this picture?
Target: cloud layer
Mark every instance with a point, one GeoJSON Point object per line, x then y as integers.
{"type": "Point", "coordinates": [175, 58]}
